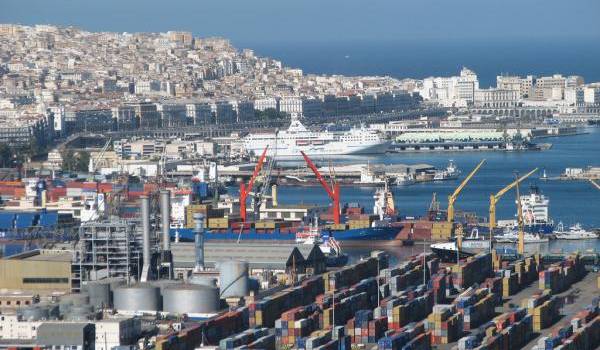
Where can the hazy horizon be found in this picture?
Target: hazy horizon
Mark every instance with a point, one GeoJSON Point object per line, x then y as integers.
{"type": "Point", "coordinates": [273, 21]}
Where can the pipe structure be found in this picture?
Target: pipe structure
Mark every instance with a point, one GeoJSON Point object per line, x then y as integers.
{"type": "Point", "coordinates": [165, 214]}
{"type": "Point", "coordinates": [145, 216]}
{"type": "Point", "coordinates": [199, 242]}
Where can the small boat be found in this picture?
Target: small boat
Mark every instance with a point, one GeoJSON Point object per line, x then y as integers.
{"type": "Point", "coordinates": [511, 236]}
{"type": "Point", "coordinates": [575, 232]}
{"type": "Point", "coordinates": [450, 173]}
{"type": "Point", "coordinates": [475, 241]}
{"type": "Point", "coordinates": [447, 251]}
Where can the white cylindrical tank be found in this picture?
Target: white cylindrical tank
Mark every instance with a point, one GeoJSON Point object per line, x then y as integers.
{"type": "Point", "coordinates": [191, 299]}
{"type": "Point", "coordinates": [233, 278]}
{"type": "Point", "coordinates": [137, 298]}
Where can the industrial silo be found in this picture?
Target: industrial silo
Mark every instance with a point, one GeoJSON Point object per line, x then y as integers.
{"type": "Point", "coordinates": [35, 313]}
{"type": "Point", "coordinates": [203, 280]}
{"type": "Point", "coordinates": [233, 278]}
{"type": "Point", "coordinates": [99, 292]}
{"type": "Point", "coordinates": [137, 298]}
{"type": "Point", "coordinates": [191, 299]}
{"type": "Point", "coordinates": [80, 313]}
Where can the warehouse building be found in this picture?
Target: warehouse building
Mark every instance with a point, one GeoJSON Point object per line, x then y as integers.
{"type": "Point", "coordinates": [42, 271]}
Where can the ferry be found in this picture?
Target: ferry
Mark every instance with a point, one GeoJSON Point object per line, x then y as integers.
{"type": "Point", "coordinates": [288, 144]}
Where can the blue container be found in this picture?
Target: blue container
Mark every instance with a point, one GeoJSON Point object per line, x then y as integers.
{"type": "Point", "coordinates": [25, 220]}
{"type": "Point", "coordinates": [7, 221]}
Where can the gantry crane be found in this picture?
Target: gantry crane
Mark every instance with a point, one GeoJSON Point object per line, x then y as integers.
{"type": "Point", "coordinates": [495, 198]}
{"type": "Point", "coordinates": [595, 184]}
{"type": "Point", "coordinates": [453, 196]}
{"type": "Point", "coordinates": [333, 191]}
{"type": "Point", "coordinates": [245, 190]}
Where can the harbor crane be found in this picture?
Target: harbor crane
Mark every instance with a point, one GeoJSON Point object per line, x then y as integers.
{"type": "Point", "coordinates": [521, 234]}
{"type": "Point", "coordinates": [495, 198]}
{"type": "Point", "coordinates": [245, 190]}
{"type": "Point", "coordinates": [333, 190]}
{"type": "Point", "coordinates": [452, 198]}
{"type": "Point", "coordinates": [595, 184]}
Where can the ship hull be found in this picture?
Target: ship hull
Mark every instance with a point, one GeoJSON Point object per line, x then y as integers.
{"type": "Point", "coordinates": [370, 234]}
{"type": "Point", "coordinates": [283, 152]}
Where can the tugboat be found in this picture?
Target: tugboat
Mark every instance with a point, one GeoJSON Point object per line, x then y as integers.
{"type": "Point", "coordinates": [450, 173]}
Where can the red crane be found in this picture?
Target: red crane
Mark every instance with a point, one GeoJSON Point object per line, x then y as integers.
{"type": "Point", "coordinates": [244, 191]}
{"type": "Point", "coordinates": [333, 192]}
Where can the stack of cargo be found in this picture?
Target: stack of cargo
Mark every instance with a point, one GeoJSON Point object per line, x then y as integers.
{"type": "Point", "coordinates": [441, 231]}
{"type": "Point", "coordinates": [350, 275]}
{"type": "Point", "coordinates": [421, 230]}
{"type": "Point", "coordinates": [438, 287]}
{"type": "Point", "coordinates": [581, 332]}
{"type": "Point", "coordinates": [187, 338]}
{"type": "Point", "coordinates": [335, 340]}
{"type": "Point", "coordinates": [343, 310]}
{"type": "Point", "coordinates": [408, 308]}
{"type": "Point", "coordinates": [411, 337]}
{"type": "Point", "coordinates": [544, 308]}
{"type": "Point", "coordinates": [363, 329]}
{"type": "Point", "coordinates": [410, 273]}
{"type": "Point", "coordinates": [297, 322]}
{"type": "Point", "coordinates": [267, 310]}
{"type": "Point", "coordinates": [445, 324]}
{"type": "Point", "coordinates": [246, 337]}
{"type": "Point", "coordinates": [474, 270]}
{"type": "Point", "coordinates": [559, 277]}
{"type": "Point", "coordinates": [511, 330]}
{"type": "Point", "coordinates": [518, 275]}
{"type": "Point", "coordinates": [477, 307]}
{"type": "Point", "coordinates": [224, 325]}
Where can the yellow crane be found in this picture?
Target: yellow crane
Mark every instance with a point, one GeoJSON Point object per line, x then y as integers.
{"type": "Point", "coordinates": [495, 198]}
{"type": "Point", "coordinates": [595, 184]}
{"type": "Point", "coordinates": [521, 234]}
{"type": "Point", "coordinates": [453, 196]}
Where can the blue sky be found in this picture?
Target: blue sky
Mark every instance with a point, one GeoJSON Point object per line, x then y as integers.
{"type": "Point", "coordinates": [263, 21]}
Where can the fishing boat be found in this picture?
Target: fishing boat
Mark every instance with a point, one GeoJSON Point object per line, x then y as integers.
{"type": "Point", "coordinates": [512, 236]}
{"type": "Point", "coordinates": [328, 245]}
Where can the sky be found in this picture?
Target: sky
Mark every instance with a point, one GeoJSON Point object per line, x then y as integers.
{"type": "Point", "coordinates": [248, 22]}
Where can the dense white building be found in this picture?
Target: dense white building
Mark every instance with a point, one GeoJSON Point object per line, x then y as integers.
{"type": "Point", "coordinates": [455, 91]}
{"type": "Point", "coordinates": [496, 98]}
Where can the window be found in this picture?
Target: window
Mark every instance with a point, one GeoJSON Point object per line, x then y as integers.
{"type": "Point", "coordinates": [29, 280]}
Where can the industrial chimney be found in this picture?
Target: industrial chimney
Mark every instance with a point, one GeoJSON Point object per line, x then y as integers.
{"type": "Point", "coordinates": [145, 216]}
{"type": "Point", "coordinates": [165, 218]}
{"type": "Point", "coordinates": [199, 242]}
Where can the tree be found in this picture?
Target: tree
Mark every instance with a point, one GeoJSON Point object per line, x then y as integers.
{"type": "Point", "coordinates": [83, 161]}
{"type": "Point", "coordinates": [68, 160]}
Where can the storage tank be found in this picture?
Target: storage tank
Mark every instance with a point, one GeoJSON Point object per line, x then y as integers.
{"type": "Point", "coordinates": [139, 297]}
{"type": "Point", "coordinates": [203, 280]}
{"type": "Point", "coordinates": [99, 292]}
{"type": "Point", "coordinates": [191, 299]}
{"type": "Point", "coordinates": [35, 313]}
{"type": "Point", "coordinates": [233, 277]}
{"type": "Point", "coordinates": [162, 284]}
{"type": "Point", "coordinates": [80, 313]}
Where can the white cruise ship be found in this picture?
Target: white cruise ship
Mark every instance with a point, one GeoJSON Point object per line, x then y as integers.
{"type": "Point", "coordinates": [288, 143]}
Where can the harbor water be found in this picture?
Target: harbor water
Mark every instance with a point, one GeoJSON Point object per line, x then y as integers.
{"type": "Point", "coordinates": [570, 201]}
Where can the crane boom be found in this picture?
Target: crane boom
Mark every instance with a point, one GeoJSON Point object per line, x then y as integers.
{"type": "Point", "coordinates": [333, 192]}
{"type": "Point", "coordinates": [244, 191]}
{"type": "Point", "coordinates": [595, 184]}
{"type": "Point", "coordinates": [495, 198]}
{"type": "Point", "coordinates": [318, 175]}
{"type": "Point", "coordinates": [453, 196]}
